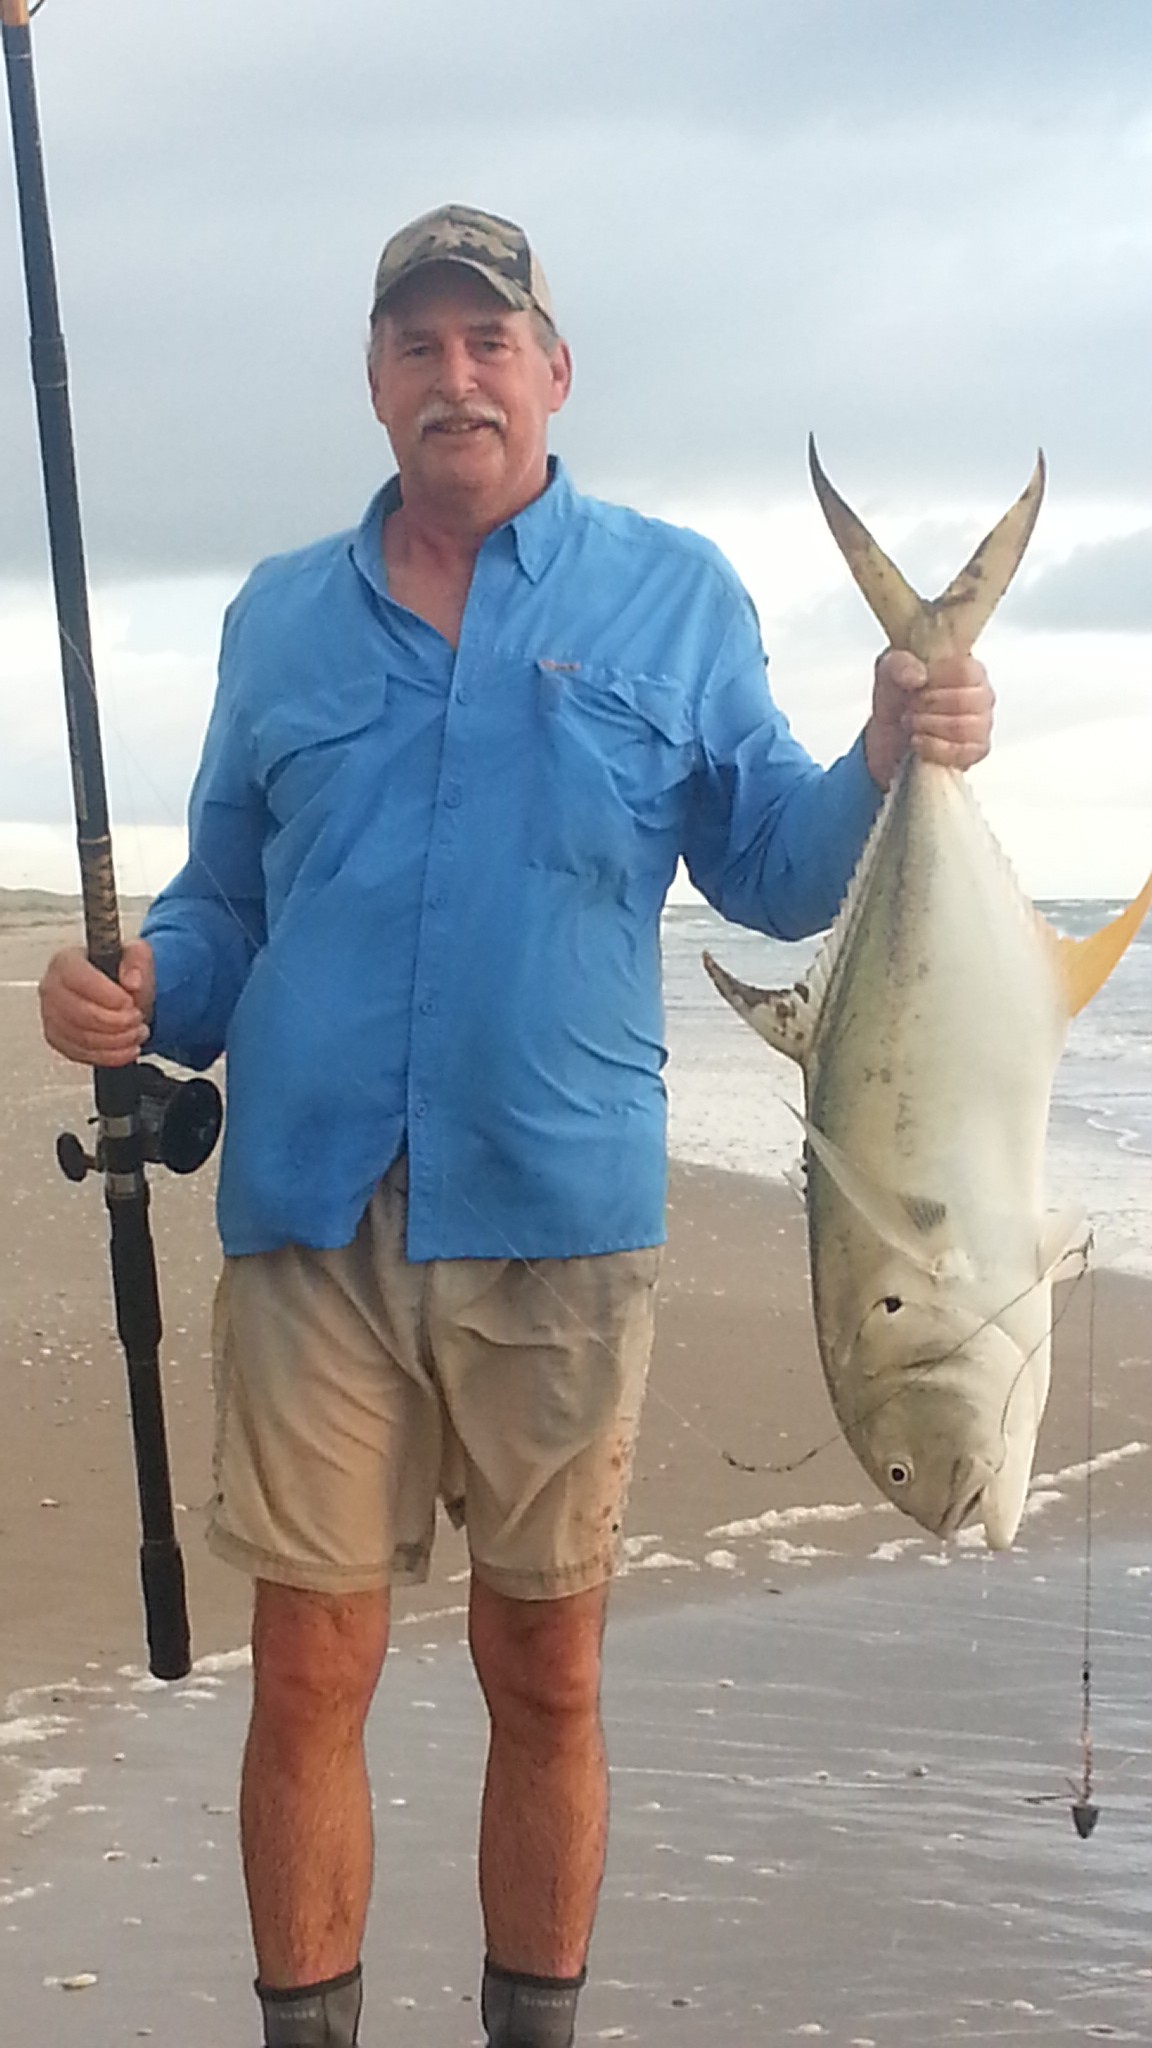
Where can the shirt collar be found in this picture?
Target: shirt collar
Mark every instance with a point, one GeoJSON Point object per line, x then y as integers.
{"type": "Point", "coordinates": [537, 531]}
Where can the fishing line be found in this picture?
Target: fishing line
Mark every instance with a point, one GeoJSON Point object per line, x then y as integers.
{"type": "Point", "coordinates": [913, 1373]}
{"type": "Point", "coordinates": [296, 993]}
{"type": "Point", "coordinates": [1084, 1810]}
{"type": "Point", "coordinates": [686, 1422]}
{"type": "Point", "coordinates": [1085, 1813]}
{"type": "Point", "coordinates": [654, 1395]}
{"type": "Point", "coordinates": [784, 1469]}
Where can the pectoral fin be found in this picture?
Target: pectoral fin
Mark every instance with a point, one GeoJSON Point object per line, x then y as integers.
{"type": "Point", "coordinates": [1085, 964]}
{"type": "Point", "coordinates": [950, 623]}
{"type": "Point", "coordinates": [901, 1221]}
{"type": "Point", "coordinates": [786, 1017]}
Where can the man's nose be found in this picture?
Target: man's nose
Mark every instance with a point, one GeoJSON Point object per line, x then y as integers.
{"type": "Point", "coordinates": [457, 372]}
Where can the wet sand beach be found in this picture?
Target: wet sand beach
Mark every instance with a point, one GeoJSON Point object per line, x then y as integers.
{"type": "Point", "coordinates": [839, 1814]}
{"type": "Point", "coordinates": [826, 1734]}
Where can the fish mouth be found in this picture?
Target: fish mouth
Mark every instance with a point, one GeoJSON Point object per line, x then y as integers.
{"type": "Point", "coordinates": [959, 1512]}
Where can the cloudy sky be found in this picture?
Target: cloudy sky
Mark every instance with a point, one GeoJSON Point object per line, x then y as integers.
{"type": "Point", "coordinates": [921, 228]}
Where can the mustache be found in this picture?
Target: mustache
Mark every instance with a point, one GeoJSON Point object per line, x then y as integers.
{"type": "Point", "coordinates": [438, 413]}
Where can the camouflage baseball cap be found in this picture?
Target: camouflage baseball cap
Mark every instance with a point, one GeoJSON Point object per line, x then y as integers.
{"type": "Point", "coordinates": [496, 249]}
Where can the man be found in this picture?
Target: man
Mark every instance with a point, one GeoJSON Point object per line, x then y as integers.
{"type": "Point", "coordinates": [453, 761]}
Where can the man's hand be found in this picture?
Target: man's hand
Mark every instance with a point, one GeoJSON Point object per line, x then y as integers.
{"type": "Point", "coordinates": [942, 712]}
{"type": "Point", "coordinates": [93, 1020]}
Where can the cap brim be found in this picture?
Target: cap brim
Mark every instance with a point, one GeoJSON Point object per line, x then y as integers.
{"type": "Point", "coordinates": [505, 288]}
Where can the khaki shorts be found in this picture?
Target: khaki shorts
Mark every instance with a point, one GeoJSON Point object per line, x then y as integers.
{"type": "Point", "coordinates": [354, 1389]}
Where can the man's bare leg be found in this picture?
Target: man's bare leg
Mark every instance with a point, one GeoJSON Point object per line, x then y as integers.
{"type": "Point", "coordinates": [544, 1820]}
{"type": "Point", "coordinates": [305, 1806]}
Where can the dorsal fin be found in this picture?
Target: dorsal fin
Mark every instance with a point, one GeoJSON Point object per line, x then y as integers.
{"type": "Point", "coordinates": [950, 623]}
{"type": "Point", "coordinates": [1085, 964]}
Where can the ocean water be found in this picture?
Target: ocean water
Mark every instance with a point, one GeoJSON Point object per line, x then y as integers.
{"type": "Point", "coordinates": [729, 1092]}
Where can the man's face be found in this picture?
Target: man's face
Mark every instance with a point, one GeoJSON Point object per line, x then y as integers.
{"type": "Point", "coordinates": [465, 389]}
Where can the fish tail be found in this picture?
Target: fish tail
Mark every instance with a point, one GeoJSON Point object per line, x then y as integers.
{"type": "Point", "coordinates": [952, 622]}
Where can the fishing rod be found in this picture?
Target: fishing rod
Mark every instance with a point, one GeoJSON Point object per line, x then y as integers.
{"type": "Point", "coordinates": [143, 1115]}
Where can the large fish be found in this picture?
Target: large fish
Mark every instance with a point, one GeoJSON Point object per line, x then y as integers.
{"type": "Point", "coordinates": [929, 1031]}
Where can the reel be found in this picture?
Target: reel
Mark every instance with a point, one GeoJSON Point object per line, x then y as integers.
{"type": "Point", "coordinates": [180, 1122]}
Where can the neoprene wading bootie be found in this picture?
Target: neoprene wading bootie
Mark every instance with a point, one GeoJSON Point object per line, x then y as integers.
{"type": "Point", "coordinates": [520, 2011]}
{"type": "Point", "coordinates": [323, 2015]}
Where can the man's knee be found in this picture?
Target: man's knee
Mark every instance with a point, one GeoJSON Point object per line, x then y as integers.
{"type": "Point", "coordinates": [538, 1661]}
{"type": "Point", "coordinates": [316, 1656]}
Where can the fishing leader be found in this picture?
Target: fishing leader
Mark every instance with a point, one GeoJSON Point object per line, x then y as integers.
{"type": "Point", "coordinates": [454, 758]}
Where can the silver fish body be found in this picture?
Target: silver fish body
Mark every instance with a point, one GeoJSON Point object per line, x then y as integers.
{"type": "Point", "coordinates": [931, 1263]}
{"type": "Point", "coordinates": [928, 1031]}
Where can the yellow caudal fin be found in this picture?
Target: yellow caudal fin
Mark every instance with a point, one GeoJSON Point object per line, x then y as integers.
{"type": "Point", "coordinates": [950, 623]}
{"type": "Point", "coordinates": [1085, 964]}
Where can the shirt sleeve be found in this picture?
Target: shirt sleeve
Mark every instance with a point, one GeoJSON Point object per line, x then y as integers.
{"type": "Point", "coordinates": [773, 837]}
{"type": "Point", "coordinates": [207, 926]}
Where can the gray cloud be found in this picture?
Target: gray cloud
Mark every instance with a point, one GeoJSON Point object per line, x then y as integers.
{"type": "Point", "coordinates": [920, 230]}
{"type": "Point", "coordinates": [1106, 588]}
{"type": "Point", "coordinates": [154, 647]}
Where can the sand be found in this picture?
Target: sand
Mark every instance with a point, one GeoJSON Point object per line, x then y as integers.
{"type": "Point", "coordinates": [839, 1775]}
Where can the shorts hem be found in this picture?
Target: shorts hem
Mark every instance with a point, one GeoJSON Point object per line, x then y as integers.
{"type": "Point", "coordinates": [558, 1582]}
{"type": "Point", "coordinates": [310, 1578]}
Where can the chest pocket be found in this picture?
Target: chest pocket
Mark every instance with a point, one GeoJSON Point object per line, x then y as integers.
{"type": "Point", "coordinates": [311, 754]}
{"type": "Point", "coordinates": [616, 754]}
{"type": "Point", "coordinates": [318, 760]}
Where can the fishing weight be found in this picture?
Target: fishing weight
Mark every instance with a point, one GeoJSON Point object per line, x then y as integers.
{"type": "Point", "coordinates": [179, 1124]}
{"type": "Point", "coordinates": [1084, 1817]}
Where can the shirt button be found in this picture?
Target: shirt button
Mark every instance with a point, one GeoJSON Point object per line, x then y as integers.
{"type": "Point", "coordinates": [462, 696]}
{"type": "Point", "coordinates": [452, 795]}
{"type": "Point", "coordinates": [436, 900]}
{"type": "Point", "coordinates": [427, 1005]}
{"type": "Point", "coordinates": [420, 1108]}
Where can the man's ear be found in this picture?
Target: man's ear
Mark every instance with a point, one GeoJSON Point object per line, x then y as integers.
{"type": "Point", "coordinates": [373, 374]}
{"type": "Point", "coordinates": [561, 366]}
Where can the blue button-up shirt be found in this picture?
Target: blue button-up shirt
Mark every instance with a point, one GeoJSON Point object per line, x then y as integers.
{"type": "Point", "coordinates": [424, 886]}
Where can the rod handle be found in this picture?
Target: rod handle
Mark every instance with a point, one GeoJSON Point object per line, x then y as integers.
{"type": "Point", "coordinates": [165, 1609]}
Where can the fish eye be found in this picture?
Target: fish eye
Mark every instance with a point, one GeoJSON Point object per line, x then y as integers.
{"type": "Point", "coordinates": [900, 1472]}
{"type": "Point", "coordinates": [893, 1304]}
